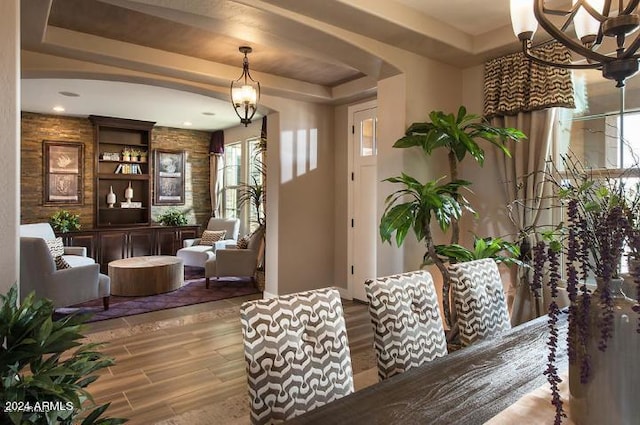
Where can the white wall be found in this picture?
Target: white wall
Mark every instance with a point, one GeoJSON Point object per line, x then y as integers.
{"type": "Point", "coordinates": [9, 141]}
{"type": "Point", "coordinates": [300, 176]}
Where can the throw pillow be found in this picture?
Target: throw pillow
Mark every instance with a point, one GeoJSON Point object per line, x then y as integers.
{"type": "Point", "coordinates": [243, 242]}
{"type": "Point", "coordinates": [57, 251]}
{"type": "Point", "coordinates": [210, 237]}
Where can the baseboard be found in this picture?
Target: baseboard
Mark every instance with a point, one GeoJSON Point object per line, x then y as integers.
{"type": "Point", "coordinates": [266, 295]}
{"type": "Point", "coordinates": [344, 294]}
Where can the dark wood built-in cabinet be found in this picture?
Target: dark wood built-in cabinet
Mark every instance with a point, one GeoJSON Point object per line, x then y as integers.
{"type": "Point", "coordinates": [125, 231]}
{"type": "Point", "coordinates": [114, 171]}
{"type": "Point", "coordinates": [109, 244]}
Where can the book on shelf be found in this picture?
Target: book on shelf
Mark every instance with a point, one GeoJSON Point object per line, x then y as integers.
{"type": "Point", "coordinates": [128, 169]}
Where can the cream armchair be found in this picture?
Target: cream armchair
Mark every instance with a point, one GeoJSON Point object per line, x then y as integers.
{"type": "Point", "coordinates": [231, 261]}
{"type": "Point", "coordinates": [196, 255]}
{"type": "Point", "coordinates": [79, 283]}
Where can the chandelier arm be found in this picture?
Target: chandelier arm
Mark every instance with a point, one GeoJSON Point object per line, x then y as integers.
{"type": "Point", "coordinates": [527, 52]}
{"type": "Point", "coordinates": [630, 7]}
{"type": "Point", "coordinates": [632, 49]}
{"type": "Point", "coordinates": [563, 39]}
{"type": "Point", "coordinates": [597, 15]}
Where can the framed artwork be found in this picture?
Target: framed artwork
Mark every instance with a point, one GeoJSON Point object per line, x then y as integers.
{"type": "Point", "coordinates": [168, 179]}
{"type": "Point", "coordinates": [63, 171]}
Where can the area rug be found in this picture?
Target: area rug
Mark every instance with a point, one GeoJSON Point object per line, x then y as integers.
{"type": "Point", "coordinates": [192, 292]}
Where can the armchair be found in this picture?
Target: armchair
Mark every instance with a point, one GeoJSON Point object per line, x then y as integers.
{"type": "Point", "coordinates": [196, 255]}
{"type": "Point", "coordinates": [81, 282]}
{"type": "Point", "coordinates": [231, 261]}
{"type": "Point", "coordinates": [74, 255]}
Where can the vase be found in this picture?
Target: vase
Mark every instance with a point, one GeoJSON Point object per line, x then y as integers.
{"type": "Point", "coordinates": [128, 193]}
{"type": "Point", "coordinates": [609, 395]}
{"type": "Point", "coordinates": [629, 287]}
{"type": "Point", "coordinates": [111, 197]}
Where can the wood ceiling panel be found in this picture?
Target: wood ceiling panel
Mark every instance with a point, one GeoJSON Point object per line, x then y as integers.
{"type": "Point", "coordinates": [108, 21]}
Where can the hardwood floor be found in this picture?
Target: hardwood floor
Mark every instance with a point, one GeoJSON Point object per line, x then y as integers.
{"type": "Point", "coordinates": [186, 365]}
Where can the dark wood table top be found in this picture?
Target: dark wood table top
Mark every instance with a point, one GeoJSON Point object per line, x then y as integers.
{"type": "Point", "coordinates": [468, 387]}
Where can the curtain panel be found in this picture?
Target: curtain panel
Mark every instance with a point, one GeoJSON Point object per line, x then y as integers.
{"type": "Point", "coordinates": [514, 84]}
{"type": "Point", "coordinates": [522, 94]}
{"type": "Point", "coordinates": [216, 168]}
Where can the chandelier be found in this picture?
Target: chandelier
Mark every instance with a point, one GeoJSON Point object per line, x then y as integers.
{"type": "Point", "coordinates": [245, 91]}
{"type": "Point", "coordinates": [593, 22]}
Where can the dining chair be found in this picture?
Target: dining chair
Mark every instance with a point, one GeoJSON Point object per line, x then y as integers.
{"type": "Point", "coordinates": [479, 300]}
{"type": "Point", "coordinates": [297, 354]}
{"type": "Point", "coordinates": [406, 320]}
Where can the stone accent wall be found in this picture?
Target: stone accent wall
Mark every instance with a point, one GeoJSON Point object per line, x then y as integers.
{"type": "Point", "coordinates": [35, 129]}
{"type": "Point", "coordinates": [196, 146]}
{"type": "Point", "coordinates": [39, 127]}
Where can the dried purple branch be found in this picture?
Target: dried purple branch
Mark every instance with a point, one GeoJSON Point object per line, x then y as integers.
{"type": "Point", "coordinates": [552, 371]}
{"type": "Point", "coordinates": [583, 323]}
{"type": "Point", "coordinates": [539, 259]}
{"type": "Point", "coordinates": [573, 244]}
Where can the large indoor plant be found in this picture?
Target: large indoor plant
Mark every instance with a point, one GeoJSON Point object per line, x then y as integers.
{"type": "Point", "coordinates": [44, 367]}
{"type": "Point", "coordinates": [602, 341]}
{"type": "Point", "coordinates": [459, 134]}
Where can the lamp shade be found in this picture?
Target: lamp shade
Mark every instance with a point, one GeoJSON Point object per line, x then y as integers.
{"type": "Point", "coordinates": [523, 20]}
{"type": "Point", "coordinates": [216, 144]}
{"type": "Point", "coordinates": [585, 24]}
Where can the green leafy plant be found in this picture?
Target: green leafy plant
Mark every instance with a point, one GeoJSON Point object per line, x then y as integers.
{"type": "Point", "coordinates": [63, 221]}
{"type": "Point", "coordinates": [252, 194]}
{"type": "Point", "coordinates": [44, 368]}
{"type": "Point", "coordinates": [426, 202]}
{"type": "Point", "coordinates": [458, 134]}
{"type": "Point", "coordinates": [496, 248]}
{"type": "Point", "coordinates": [172, 218]}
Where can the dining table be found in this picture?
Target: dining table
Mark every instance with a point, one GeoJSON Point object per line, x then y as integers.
{"type": "Point", "coordinates": [468, 386]}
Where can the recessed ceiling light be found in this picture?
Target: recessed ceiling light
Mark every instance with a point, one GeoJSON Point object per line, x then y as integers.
{"type": "Point", "coordinates": [69, 93]}
{"type": "Point", "coordinates": [208, 113]}
{"type": "Point", "coordinates": [58, 108]}
{"type": "Point", "coordinates": [187, 123]}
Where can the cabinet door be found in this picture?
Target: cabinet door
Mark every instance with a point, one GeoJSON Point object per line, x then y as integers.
{"type": "Point", "coordinates": [85, 240]}
{"type": "Point", "coordinates": [141, 243]}
{"type": "Point", "coordinates": [112, 247]}
{"type": "Point", "coordinates": [167, 241]}
{"type": "Point", "coordinates": [187, 233]}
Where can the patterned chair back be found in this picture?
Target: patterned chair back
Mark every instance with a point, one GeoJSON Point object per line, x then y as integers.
{"type": "Point", "coordinates": [479, 300]}
{"type": "Point", "coordinates": [406, 321]}
{"type": "Point", "coordinates": [297, 354]}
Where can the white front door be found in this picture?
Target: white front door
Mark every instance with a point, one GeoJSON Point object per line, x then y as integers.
{"type": "Point", "coordinates": [363, 226]}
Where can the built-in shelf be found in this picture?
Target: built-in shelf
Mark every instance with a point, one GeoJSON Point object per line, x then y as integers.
{"type": "Point", "coordinates": [111, 134]}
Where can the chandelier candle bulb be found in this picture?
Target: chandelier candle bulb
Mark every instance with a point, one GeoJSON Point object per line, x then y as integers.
{"type": "Point", "coordinates": [523, 20]}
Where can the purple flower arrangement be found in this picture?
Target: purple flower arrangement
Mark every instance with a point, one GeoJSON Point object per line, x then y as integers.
{"type": "Point", "coordinates": [601, 215]}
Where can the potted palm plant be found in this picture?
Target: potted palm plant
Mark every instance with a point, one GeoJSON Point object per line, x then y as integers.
{"type": "Point", "coordinates": [459, 134]}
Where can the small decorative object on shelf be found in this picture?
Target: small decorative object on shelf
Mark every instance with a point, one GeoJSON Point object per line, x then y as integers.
{"type": "Point", "coordinates": [143, 156]}
{"type": "Point", "coordinates": [172, 218]}
{"type": "Point", "coordinates": [136, 204]}
{"type": "Point", "coordinates": [110, 156]}
{"type": "Point", "coordinates": [63, 221]}
{"type": "Point", "coordinates": [128, 193]}
{"type": "Point", "coordinates": [111, 197]}
{"type": "Point", "coordinates": [126, 154]}
{"type": "Point", "coordinates": [135, 154]}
